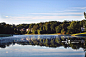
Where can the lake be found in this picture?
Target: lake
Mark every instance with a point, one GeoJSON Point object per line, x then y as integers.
{"type": "Point", "coordinates": [42, 46]}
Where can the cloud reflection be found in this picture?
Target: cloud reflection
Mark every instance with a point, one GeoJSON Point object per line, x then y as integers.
{"type": "Point", "coordinates": [43, 51]}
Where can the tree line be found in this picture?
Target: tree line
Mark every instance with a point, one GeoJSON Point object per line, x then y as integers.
{"type": "Point", "coordinates": [65, 27]}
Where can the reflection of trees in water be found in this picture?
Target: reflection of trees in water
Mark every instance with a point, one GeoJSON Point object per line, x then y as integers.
{"type": "Point", "coordinates": [4, 45]}
{"type": "Point", "coordinates": [48, 42]}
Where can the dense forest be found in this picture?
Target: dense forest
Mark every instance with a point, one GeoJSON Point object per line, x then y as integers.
{"type": "Point", "coordinates": [65, 27]}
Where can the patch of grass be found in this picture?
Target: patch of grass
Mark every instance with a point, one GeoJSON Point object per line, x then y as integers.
{"type": "Point", "coordinates": [79, 34]}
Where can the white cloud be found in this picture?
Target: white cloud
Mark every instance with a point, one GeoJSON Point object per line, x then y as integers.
{"type": "Point", "coordinates": [38, 19]}
{"type": "Point", "coordinates": [6, 16]}
{"type": "Point", "coordinates": [44, 17]}
{"type": "Point", "coordinates": [83, 8]}
{"type": "Point", "coordinates": [57, 13]}
{"type": "Point", "coordinates": [46, 51]}
{"type": "Point", "coordinates": [71, 10]}
{"type": "Point", "coordinates": [79, 8]}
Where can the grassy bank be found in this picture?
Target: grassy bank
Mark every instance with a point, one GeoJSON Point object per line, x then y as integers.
{"type": "Point", "coordinates": [79, 34]}
{"type": "Point", "coordinates": [42, 34]}
{"type": "Point", "coordinates": [5, 35]}
{"type": "Point", "coordinates": [48, 34]}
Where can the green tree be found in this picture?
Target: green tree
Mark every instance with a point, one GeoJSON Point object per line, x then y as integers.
{"type": "Point", "coordinates": [74, 27]}
{"type": "Point", "coordinates": [39, 31]}
{"type": "Point", "coordinates": [34, 31]}
{"type": "Point", "coordinates": [58, 29]}
{"type": "Point", "coordinates": [52, 27]}
{"type": "Point", "coordinates": [35, 27]}
{"type": "Point", "coordinates": [63, 31]}
{"type": "Point", "coordinates": [47, 27]}
{"type": "Point", "coordinates": [29, 32]}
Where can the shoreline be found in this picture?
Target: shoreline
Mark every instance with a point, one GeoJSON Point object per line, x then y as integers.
{"type": "Point", "coordinates": [77, 34]}
{"type": "Point", "coordinates": [5, 35]}
{"type": "Point", "coordinates": [48, 34]}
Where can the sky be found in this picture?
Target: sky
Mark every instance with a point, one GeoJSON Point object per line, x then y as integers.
{"type": "Point", "coordinates": [36, 11]}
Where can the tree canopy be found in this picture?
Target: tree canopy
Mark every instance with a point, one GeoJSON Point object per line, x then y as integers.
{"type": "Point", "coordinates": [65, 27]}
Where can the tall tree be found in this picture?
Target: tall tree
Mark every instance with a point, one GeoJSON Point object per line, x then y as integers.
{"type": "Point", "coordinates": [74, 27]}
{"type": "Point", "coordinates": [58, 28]}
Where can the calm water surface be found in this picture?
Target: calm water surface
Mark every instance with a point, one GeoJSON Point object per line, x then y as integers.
{"type": "Point", "coordinates": [42, 46]}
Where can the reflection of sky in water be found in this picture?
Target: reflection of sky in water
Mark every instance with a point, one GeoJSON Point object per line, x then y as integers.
{"type": "Point", "coordinates": [30, 36]}
{"type": "Point", "coordinates": [37, 51]}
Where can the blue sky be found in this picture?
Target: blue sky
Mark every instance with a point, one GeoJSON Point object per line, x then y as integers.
{"type": "Point", "coordinates": [35, 11]}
